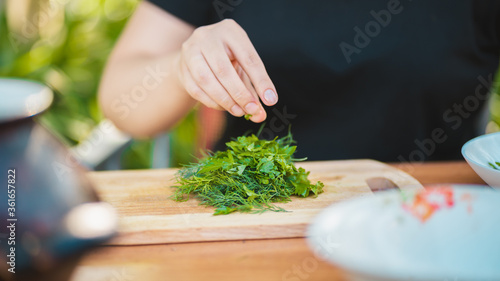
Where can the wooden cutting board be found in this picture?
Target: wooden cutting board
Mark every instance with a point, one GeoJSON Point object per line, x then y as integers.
{"type": "Point", "coordinates": [148, 216]}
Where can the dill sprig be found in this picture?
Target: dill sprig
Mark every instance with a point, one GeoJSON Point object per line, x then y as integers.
{"type": "Point", "coordinates": [248, 177]}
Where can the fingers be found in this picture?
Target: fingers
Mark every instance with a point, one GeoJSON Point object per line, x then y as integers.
{"type": "Point", "coordinates": [244, 51]}
{"type": "Point", "coordinates": [205, 79]}
{"type": "Point", "coordinates": [196, 92]}
{"type": "Point", "coordinates": [248, 84]}
{"type": "Point", "coordinates": [226, 74]}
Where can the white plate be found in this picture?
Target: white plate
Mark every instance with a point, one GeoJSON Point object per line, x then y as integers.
{"type": "Point", "coordinates": [481, 150]}
{"type": "Point", "coordinates": [445, 233]}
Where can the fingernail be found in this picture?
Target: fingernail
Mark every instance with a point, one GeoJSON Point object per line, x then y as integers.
{"type": "Point", "coordinates": [270, 96]}
{"type": "Point", "coordinates": [236, 110]}
{"type": "Point", "coordinates": [252, 108]}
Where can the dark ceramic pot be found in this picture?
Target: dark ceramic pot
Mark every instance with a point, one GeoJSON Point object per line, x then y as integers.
{"type": "Point", "coordinates": [49, 213]}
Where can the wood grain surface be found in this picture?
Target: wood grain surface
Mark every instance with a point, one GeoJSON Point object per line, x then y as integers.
{"type": "Point", "coordinates": [148, 216]}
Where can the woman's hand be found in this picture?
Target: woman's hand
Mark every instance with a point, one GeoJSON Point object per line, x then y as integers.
{"type": "Point", "coordinates": [219, 66]}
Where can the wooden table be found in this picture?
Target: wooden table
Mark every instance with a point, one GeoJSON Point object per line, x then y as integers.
{"type": "Point", "coordinates": [272, 259]}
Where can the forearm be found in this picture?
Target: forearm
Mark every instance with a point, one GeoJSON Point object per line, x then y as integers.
{"type": "Point", "coordinates": [142, 95]}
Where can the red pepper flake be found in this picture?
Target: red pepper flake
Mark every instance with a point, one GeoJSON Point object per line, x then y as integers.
{"type": "Point", "coordinates": [427, 202]}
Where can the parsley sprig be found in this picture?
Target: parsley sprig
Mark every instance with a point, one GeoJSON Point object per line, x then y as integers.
{"type": "Point", "coordinates": [248, 177]}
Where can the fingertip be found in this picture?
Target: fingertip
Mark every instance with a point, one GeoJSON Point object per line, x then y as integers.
{"type": "Point", "coordinates": [270, 97]}
{"type": "Point", "coordinates": [237, 111]}
{"type": "Point", "coordinates": [253, 108]}
{"type": "Point", "coordinates": [260, 117]}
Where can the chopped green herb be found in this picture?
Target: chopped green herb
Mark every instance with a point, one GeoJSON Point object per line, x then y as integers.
{"type": "Point", "coordinates": [493, 165]}
{"type": "Point", "coordinates": [248, 116]}
{"type": "Point", "coordinates": [248, 177]}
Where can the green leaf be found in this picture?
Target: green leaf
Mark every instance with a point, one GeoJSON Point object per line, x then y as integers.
{"type": "Point", "coordinates": [241, 169]}
{"type": "Point", "coordinates": [224, 210]}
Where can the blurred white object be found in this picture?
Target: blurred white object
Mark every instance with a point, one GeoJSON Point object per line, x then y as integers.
{"type": "Point", "coordinates": [447, 233]}
{"type": "Point", "coordinates": [480, 151]}
{"type": "Point", "coordinates": [105, 143]}
{"type": "Point", "coordinates": [104, 140]}
{"type": "Point", "coordinates": [22, 98]}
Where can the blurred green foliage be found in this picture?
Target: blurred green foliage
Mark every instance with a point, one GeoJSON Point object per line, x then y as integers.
{"type": "Point", "coordinates": [65, 43]}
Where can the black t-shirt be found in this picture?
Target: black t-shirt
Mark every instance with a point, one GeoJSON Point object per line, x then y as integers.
{"type": "Point", "coordinates": [382, 79]}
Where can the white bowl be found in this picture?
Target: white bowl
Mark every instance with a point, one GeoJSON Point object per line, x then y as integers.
{"type": "Point", "coordinates": [480, 151]}
{"type": "Point", "coordinates": [388, 237]}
